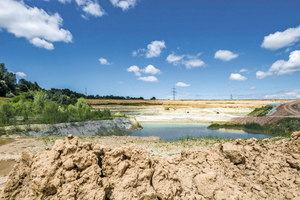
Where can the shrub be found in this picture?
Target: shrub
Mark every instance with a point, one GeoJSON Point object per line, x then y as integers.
{"type": "Point", "coordinates": [253, 126]}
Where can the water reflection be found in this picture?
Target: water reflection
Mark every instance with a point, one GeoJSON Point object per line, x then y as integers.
{"type": "Point", "coordinates": [169, 132]}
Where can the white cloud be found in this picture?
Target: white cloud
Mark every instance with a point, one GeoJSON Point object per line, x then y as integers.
{"type": "Point", "coordinates": [286, 94]}
{"type": "Point", "coordinates": [187, 60]}
{"type": "Point", "coordinates": [65, 1]}
{"type": "Point", "coordinates": [172, 58]}
{"type": "Point", "coordinates": [237, 77]}
{"type": "Point", "coordinates": [281, 39]}
{"type": "Point", "coordinates": [41, 43]}
{"type": "Point", "coordinates": [181, 84]}
{"type": "Point", "coordinates": [21, 74]}
{"type": "Point", "coordinates": [154, 49]}
{"type": "Point", "coordinates": [193, 63]}
{"type": "Point", "coordinates": [243, 70]}
{"type": "Point", "coordinates": [103, 61]}
{"type": "Point", "coordinates": [93, 8]}
{"type": "Point", "coordinates": [90, 7]}
{"type": "Point", "coordinates": [225, 55]}
{"type": "Point", "coordinates": [121, 82]}
{"type": "Point", "coordinates": [139, 52]}
{"type": "Point", "coordinates": [253, 88]}
{"type": "Point", "coordinates": [281, 67]}
{"type": "Point", "coordinates": [148, 79]}
{"type": "Point", "coordinates": [124, 4]}
{"type": "Point", "coordinates": [32, 23]}
{"type": "Point", "coordinates": [150, 69]}
{"type": "Point", "coordinates": [134, 69]}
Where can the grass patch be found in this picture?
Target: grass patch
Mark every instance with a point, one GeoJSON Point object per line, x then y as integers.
{"type": "Point", "coordinates": [284, 127]}
{"type": "Point", "coordinates": [3, 100]}
{"type": "Point", "coordinates": [260, 112]}
{"type": "Point", "coordinates": [4, 141]}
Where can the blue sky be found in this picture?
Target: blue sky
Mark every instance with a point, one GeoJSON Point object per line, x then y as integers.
{"type": "Point", "coordinates": [207, 49]}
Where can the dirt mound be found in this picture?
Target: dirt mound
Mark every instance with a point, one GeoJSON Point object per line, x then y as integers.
{"type": "Point", "coordinates": [238, 170]}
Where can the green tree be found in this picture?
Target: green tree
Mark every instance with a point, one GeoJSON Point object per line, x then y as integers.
{"type": "Point", "coordinates": [23, 88]}
{"type": "Point", "coordinates": [153, 98]}
{"type": "Point", "coordinates": [7, 81]}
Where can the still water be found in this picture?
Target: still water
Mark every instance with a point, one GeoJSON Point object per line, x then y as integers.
{"type": "Point", "coordinates": [169, 132]}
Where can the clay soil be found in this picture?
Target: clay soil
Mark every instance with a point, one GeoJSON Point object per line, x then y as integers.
{"type": "Point", "coordinates": [232, 170]}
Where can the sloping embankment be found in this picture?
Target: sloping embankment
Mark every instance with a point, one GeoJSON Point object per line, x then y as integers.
{"type": "Point", "coordinates": [117, 126]}
{"type": "Point", "coordinates": [237, 170]}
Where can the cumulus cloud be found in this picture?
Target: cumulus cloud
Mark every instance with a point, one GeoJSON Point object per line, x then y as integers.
{"type": "Point", "coordinates": [281, 39]}
{"type": "Point", "coordinates": [41, 43]}
{"type": "Point", "coordinates": [187, 60]}
{"type": "Point", "coordinates": [174, 59]}
{"type": "Point", "coordinates": [181, 84]}
{"type": "Point", "coordinates": [124, 4]}
{"type": "Point", "coordinates": [261, 74]}
{"type": "Point", "coordinates": [150, 69]}
{"type": "Point", "coordinates": [225, 55]}
{"type": "Point", "coordinates": [103, 61]}
{"type": "Point", "coordinates": [154, 49]}
{"type": "Point", "coordinates": [148, 79]}
{"type": "Point", "coordinates": [135, 69]}
{"type": "Point", "coordinates": [281, 67]}
{"type": "Point", "coordinates": [253, 88]}
{"type": "Point", "coordinates": [21, 74]}
{"type": "Point", "coordinates": [237, 77]}
{"type": "Point", "coordinates": [243, 70]}
{"type": "Point", "coordinates": [32, 23]}
{"type": "Point", "coordinates": [193, 63]}
{"type": "Point", "coordinates": [93, 8]}
{"type": "Point", "coordinates": [90, 7]}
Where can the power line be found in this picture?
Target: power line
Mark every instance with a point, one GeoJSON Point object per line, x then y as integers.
{"type": "Point", "coordinates": [174, 92]}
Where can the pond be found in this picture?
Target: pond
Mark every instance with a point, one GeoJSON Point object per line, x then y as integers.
{"type": "Point", "coordinates": [169, 132]}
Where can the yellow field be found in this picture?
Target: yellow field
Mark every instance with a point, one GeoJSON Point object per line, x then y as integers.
{"type": "Point", "coordinates": [188, 103]}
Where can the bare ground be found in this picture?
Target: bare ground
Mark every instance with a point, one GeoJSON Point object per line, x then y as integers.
{"type": "Point", "coordinates": [232, 170]}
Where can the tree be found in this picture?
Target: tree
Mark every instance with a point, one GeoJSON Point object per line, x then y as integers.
{"type": "Point", "coordinates": [23, 88]}
{"type": "Point", "coordinates": [7, 81]}
{"type": "Point", "coordinates": [153, 98]}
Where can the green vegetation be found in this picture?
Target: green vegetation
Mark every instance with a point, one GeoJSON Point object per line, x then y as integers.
{"type": "Point", "coordinates": [4, 141]}
{"type": "Point", "coordinates": [40, 107]}
{"type": "Point", "coordinates": [260, 112]}
{"type": "Point", "coordinates": [7, 81]}
{"type": "Point", "coordinates": [284, 127]}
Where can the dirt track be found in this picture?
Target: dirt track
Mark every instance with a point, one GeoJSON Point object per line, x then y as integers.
{"type": "Point", "coordinates": [284, 110]}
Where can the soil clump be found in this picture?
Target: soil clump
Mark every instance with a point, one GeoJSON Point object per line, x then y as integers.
{"type": "Point", "coordinates": [236, 170]}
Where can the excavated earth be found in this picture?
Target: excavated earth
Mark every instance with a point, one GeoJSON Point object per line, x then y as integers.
{"type": "Point", "coordinates": [282, 111]}
{"type": "Point", "coordinates": [237, 170]}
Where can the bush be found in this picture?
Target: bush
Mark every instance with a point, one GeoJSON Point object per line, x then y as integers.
{"type": "Point", "coordinates": [253, 126]}
{"type": "Point", "coordinates": [9, 95]}
{"type": "Point", "coordinates": [40, 98]}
